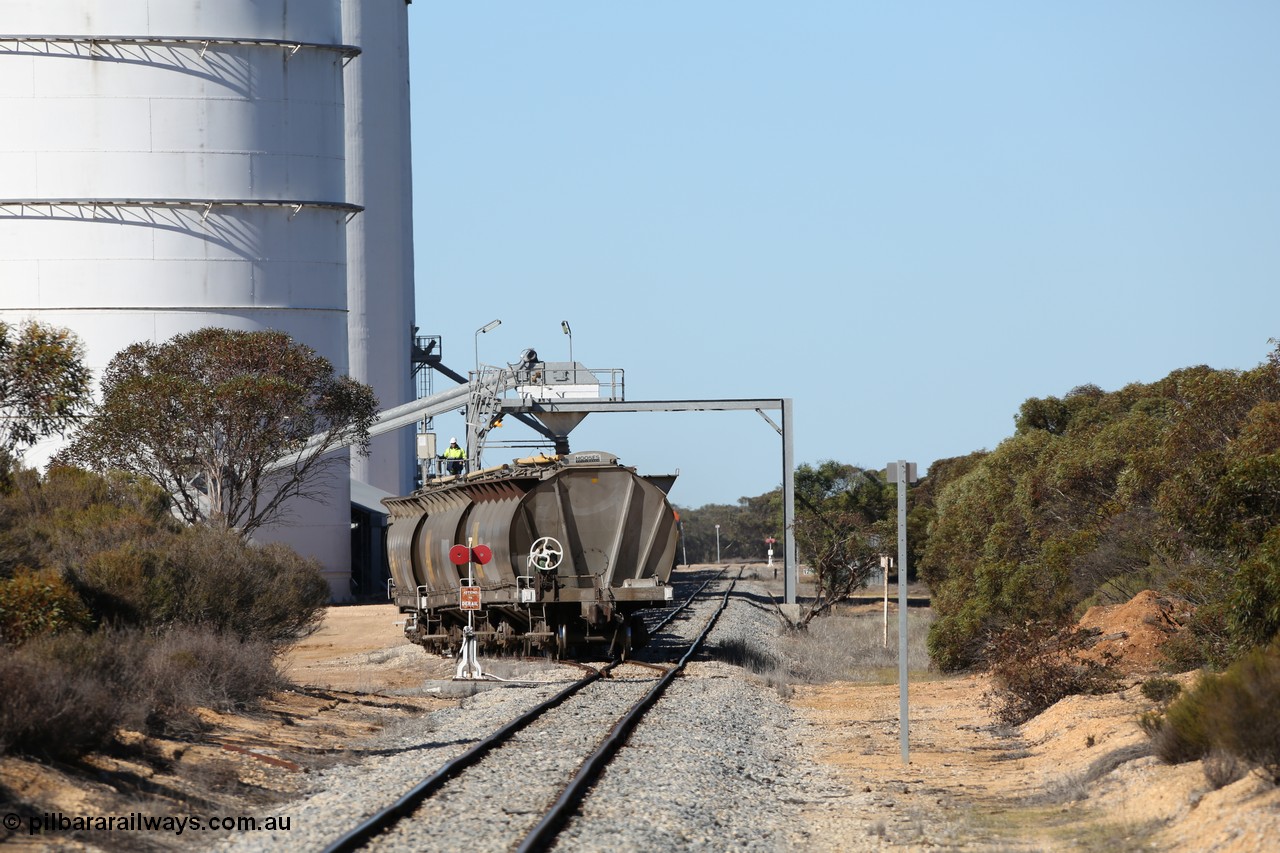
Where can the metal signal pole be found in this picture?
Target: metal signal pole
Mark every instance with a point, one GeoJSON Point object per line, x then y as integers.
{"type": "Point", "coordinates": [902, 472]}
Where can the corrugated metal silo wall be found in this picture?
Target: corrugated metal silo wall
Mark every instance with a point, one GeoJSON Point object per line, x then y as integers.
{"type": "Point", "coordinates": [184, 169]}
{"type": "Point", "coordinates": [380, 240]}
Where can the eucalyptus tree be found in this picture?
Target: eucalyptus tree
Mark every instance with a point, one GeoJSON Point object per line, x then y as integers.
{"type": "Point", "coordinates": [44, 384]}
{"type": "Point", "coordinates": [840, 524]}
{"type": "Point", "coordinates": [1172, 486]}
{"type": "Point", "coordinates": [209, 415]}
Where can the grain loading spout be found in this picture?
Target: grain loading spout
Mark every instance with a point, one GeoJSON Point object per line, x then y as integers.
{"type": "Point", "coordinates": [557, 382]}
{"type": "Point", "coordinates": [560, 424]}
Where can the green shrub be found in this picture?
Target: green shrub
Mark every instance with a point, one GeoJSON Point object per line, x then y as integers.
{"type": "Point", "coordinates": [1255, 597]}
{"type": "Point", "coordinates": [67, 695]}
{"type": "Point", "coordinates": [1237, 712]}
{"type": "Point", "coordinates": [114, 583]}
{"type": "Point", "coordinates": [955, 640]}
{"type": "Point", "coordinates": [63, 519]}
{"type": "Point", "coordinates": [1248, 718]}
{"type": "Point", "coordinates": [35, 603]}
{"type": "Point", "coordinates": [187, 617]}
{"type": "Point", "coordinates": [1204, 642]}
{"type": "Point", "coordinates": [206, 577]}
{"type": "Point", "coordinates": [60, 701]}
{"type": "Point", "coordinates": [1181, 734]}
{"type": "Point", "coordinates": [209, 577]}
{"type": "Point", "coordinates": [1161, 690]}
{"type": "Point", "coordinates": [1035, 665]}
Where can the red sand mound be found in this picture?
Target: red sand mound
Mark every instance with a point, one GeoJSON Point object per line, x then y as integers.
{"type": "Point", "coordinates": [1135, 631]}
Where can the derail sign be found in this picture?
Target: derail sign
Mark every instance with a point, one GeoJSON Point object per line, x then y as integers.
{"type": "Point", "coordinates": [469, 596]}
{"type": "Point", "coordinates": [460, 555]}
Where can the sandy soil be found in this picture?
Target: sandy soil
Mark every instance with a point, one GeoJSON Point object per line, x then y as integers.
{"type": "Point", "coordinates": [1043, 786]}
{"type": "Point", "coordinates": [1075, 778]}
{"type": "Point", "coordinates": [354, 678]}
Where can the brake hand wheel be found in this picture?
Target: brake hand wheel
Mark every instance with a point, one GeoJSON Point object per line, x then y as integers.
{"type": "Point", "coordinates": [545, 554]}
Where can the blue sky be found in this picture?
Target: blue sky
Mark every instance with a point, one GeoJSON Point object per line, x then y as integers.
{"type": "Point", "coordinates": [908, 217]}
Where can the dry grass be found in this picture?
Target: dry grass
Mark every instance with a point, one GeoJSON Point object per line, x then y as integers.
{"type": "Point", "coordinates": [67, 694]}
{"type": "Point", "coordinates": [851, 646]}
{"type": "Point", "coordinates": [838, 647]}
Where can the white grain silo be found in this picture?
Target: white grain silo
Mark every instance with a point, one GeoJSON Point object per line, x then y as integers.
{"type": "Point", "coordinates": [380, 240]}
{"type": "Point", "coordinates": [173, 164]}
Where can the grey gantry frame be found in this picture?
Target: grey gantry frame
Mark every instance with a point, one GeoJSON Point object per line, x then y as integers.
{"type": "Point", "coordinates": [410, 413]}
{"type": "Point", "coordinates": [760, 406]}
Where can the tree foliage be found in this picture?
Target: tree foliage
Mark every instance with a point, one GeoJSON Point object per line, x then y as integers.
{"type": "Point", "coordinates": [82, 550]}
{"type": "Point", "coordinates": [44, 384]}
{"type": "Point", "coordinates": [115, 615]}
{"type": "Point", "coordinates": [840, 528]}
{"type": "Point", "coordinates": [743, 529]}
{"type": "Point", "coordinates": [1172, 485]}
{"type": "Point", "coordinates": [207, 416]}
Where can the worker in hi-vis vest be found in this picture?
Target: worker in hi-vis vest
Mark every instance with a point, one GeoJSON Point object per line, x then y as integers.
{"type": "Point", "coordinates": [454, 457]}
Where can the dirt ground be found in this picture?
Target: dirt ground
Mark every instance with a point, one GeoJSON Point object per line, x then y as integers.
{"type": "Point", "coordinates": [1074, 778]}
{"type": "Point", "coordinates": [354, 678]}
{"type": "Point", "coordinates": [1077, 777]}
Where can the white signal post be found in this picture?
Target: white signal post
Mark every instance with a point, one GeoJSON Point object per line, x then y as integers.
{"type": "Point", "coordinates": [886, 563]}
{"type": "Point", "coordinates": [469, 600]}
{"type": "Point", "coordinates": [902, 472]}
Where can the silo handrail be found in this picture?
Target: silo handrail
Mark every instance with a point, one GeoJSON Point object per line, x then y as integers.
{"type": "Point", "coordinates": [293, 46]}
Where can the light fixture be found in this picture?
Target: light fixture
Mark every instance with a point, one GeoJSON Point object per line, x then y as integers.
{"type": "Point", "coordinates": [564, 326]}
{"type": "Point", "coordinates": [487, 327]}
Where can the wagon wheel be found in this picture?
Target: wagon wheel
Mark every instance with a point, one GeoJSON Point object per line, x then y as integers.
{"type": "Point", "coordinates": [545, 554]}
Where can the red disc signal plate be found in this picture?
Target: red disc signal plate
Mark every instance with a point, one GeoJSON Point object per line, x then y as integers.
{"type": "Point", "coordinates": [459, 555]}
{"type": "Point", "coordinates": [482, 554]}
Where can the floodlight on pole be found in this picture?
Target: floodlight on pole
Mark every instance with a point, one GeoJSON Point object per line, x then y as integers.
{"type": "Point", "coordinates": [564, 326]}
{"type": "Point", "coordinates": [487, 327]}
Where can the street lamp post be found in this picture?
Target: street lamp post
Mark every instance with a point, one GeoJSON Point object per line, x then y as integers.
{"type": "Point", "coordinates": [564, 324]}
{"type": "Point", "coordinates": [717, 544]}
{"type": "Point", "coordinates": [487, 327]}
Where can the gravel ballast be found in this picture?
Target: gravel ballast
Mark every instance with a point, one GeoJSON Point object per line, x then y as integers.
{"type": "Point", "coordinates": [715, 764]}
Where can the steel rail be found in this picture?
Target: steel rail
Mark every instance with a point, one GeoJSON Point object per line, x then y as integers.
{"type": "Point", "coordinates": [549, 827]}
{"type": "Point", "coordinates": [403, 807]}
{"type": "Point", "coordinates": [666, 620]}
{"type": "Point", "coordinates": [387, 817]}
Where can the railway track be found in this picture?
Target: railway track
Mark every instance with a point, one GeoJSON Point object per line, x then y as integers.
{"type": "Point", "coordinates": [509, 790]}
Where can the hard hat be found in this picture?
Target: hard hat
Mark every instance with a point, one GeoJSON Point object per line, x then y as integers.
{"type": "Point", "coordinates": [453, 441]}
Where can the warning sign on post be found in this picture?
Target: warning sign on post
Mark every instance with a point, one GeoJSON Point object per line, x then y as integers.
{"type": "Point", "coordinates": [469, 597]}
